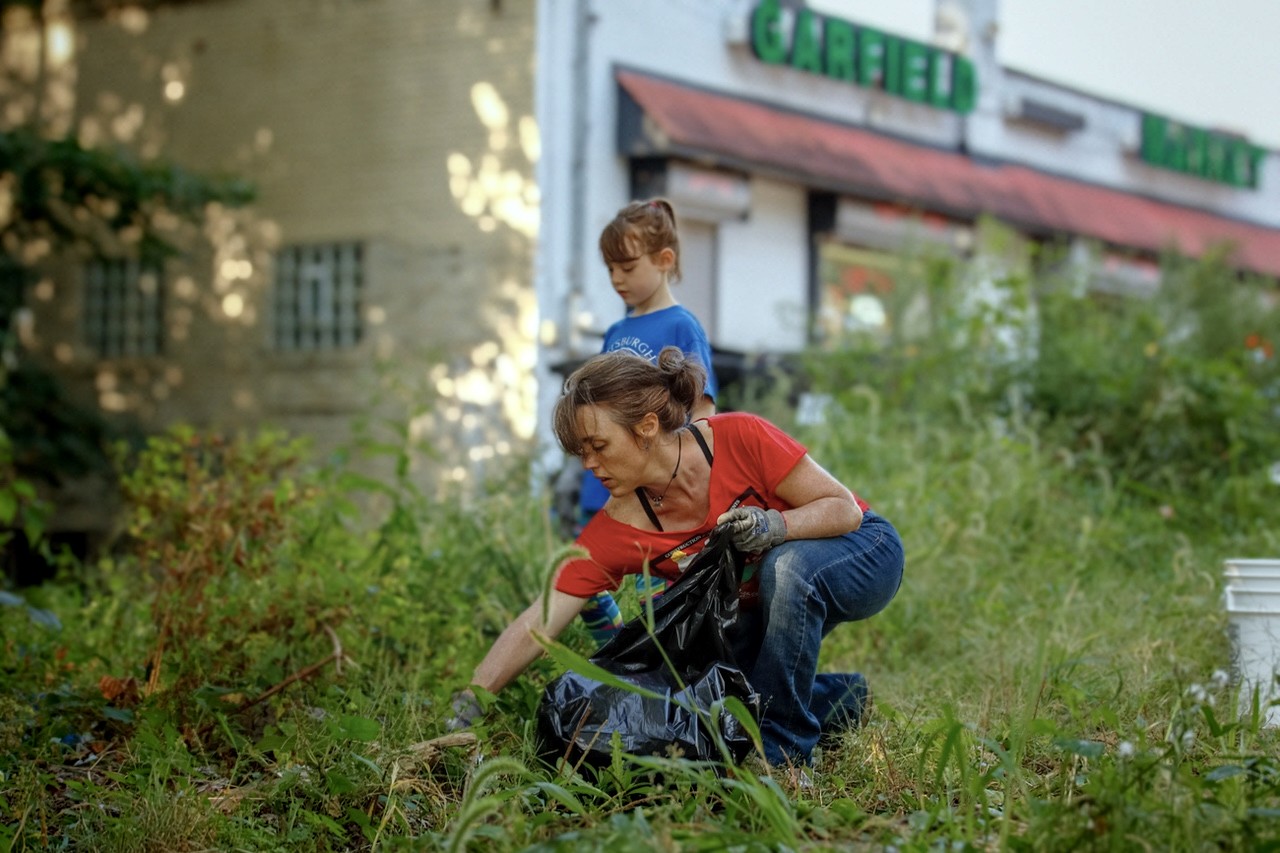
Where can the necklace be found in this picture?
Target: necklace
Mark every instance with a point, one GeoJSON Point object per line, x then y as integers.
{"type": "Point", "coordinates": [657, 500]}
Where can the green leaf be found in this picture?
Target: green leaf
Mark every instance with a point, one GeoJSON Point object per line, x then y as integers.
{"type": "Point", "coordinates": [848, 811]}
{"type": "Point", "coordinates": [33, 528]}
{"type": "Point", "coordinates": [328, 823]}
{"type": "Point", "coordinates": [562, 796]}
{"type": "Point", "coordinates": [338, 784]}
{"type": "Point", "coordinates": [359, 728]}
{"type": "Point", "coordinates": [1080, 747]}
{"type": "Point", "coordinates": [1216, 729]}
{"type": "Point", "coordinates": [357, 482]}
{"type": "Point", "coordinates": [47, 618]}
{"type": "Point", "coordinates": [1226, 771]}
{"type": "Point", "coordinates": [743, 715]}
{"type": "Point", "coordinates": [367, 762]}
{"type": "Point", "coordinates": [273, 742]}
{"type": "Point", "coordinates": [570, 659]}
{"type": "Point", "coordinates": [360, 819]}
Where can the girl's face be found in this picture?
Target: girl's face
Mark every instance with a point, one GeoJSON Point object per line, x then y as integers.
{"type": "Point", "coordinates": [641, 280]}
{"type": "Point", "coordinates": [610, 451]}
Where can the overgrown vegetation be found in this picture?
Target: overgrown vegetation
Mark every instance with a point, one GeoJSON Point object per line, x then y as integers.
{"type": "Point", "coordinates": [255, 668]}
{"type": "Point", "coordinates": [62, 199]}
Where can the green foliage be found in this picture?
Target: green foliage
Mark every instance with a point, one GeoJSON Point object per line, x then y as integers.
{"type": "Point", "coordinates": [20, 505]}
{"type": "Point", "coordinates": [1053, 675]}
{"type": "Point", "coordinates": [229, 531]}
{"type": "Point", "coordinates": [1166, 393]}
{"type": "Point", "coordinates": [1173, 390]}
{"type": "Point", "coordinates": [45, 440]}
{"type": "Point", "coordinates": [949, 353]}
{"type": "Point", "coordinates": [53, 437]}
{"type": "Point", "coordinates": [106, 201]}
{"type": "Point", "coordinates": [65, 198]}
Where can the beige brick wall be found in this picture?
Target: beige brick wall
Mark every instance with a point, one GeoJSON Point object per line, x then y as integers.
{"type": "Point", "coordinates": [405, 124]}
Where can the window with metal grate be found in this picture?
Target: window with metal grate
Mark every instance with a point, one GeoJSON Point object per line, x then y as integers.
{"type": "Point", "coordinates": [124, 308]}
{"type": "Point", "coordinates": [317, 301]}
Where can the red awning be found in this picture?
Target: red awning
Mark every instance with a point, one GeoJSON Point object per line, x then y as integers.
{"type": "Point", "coordinates": [679, 120]}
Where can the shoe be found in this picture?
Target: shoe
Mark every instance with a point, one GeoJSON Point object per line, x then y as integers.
{"type": "Point", "coordinates": [792, 777]}
{"type": "Point", "coordinates": [851, 713]}
{"type": "Point", "coordinates": [800, 779]}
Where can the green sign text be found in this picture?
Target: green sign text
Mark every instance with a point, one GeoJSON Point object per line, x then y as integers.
{"type": "Point", "coordinates": [1203, 153]}
{"type": "Point", "coordinates": [863, 56]}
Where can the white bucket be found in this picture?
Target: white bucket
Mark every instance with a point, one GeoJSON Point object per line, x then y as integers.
{"type": "Point", "coordinates": [1261, 575]}
{"type": "Point", "coordinates": [1252, 598]}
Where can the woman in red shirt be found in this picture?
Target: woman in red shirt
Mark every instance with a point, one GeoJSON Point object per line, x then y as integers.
{"type": "Point", "coordinates": [820, 555]}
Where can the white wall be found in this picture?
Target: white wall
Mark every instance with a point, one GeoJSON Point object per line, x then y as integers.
{"type": "Point", "coordinates": [763, 295]}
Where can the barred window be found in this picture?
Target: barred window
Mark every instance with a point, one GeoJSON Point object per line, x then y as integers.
{"type": "Point", "coordinates": [319, 290]}
{"type": "Point", "coordinates": [123, 308]}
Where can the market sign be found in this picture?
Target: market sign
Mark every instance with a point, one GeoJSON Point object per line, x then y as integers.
{"type": "Point", "coordinates": [1204, 153]}
{"type": "Point", "coordinates": [864, 56]}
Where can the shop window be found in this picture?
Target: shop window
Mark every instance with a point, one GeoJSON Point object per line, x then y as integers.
{"type": "Point", "coordinates": [854, 294]}
{"type": "Point", "coordinates": [123, 308]}
{"type": "Point", "coordinates": [318, 297]}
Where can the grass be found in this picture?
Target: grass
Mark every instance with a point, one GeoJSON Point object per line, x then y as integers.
{"type": "Point", "coordinates": [1051, 676]}
{"type": "Point", "coordinates": [1055, 673]}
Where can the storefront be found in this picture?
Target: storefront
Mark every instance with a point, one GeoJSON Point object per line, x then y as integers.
{"type": "Point", "coordinates": [805, 152]}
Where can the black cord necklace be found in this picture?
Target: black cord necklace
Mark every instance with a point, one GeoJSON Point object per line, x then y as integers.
{"type": "Point", "coordinates": [656, 500]}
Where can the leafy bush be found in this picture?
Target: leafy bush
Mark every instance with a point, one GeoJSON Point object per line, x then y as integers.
{"type": "Point", "coordinates": [228, 542]}
{"type": "Point", "coordinates": [1175, 390]}
{"type": "Point", "coordinates": [1170, 392]}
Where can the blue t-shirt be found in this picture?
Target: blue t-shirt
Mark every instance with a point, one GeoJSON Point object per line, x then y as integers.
{"type": "Point", "coordinates": [645, 336]}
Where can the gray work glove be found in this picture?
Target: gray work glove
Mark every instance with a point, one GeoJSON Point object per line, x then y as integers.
{"type": "Point", "coordinates": [755, 529]}
{"type": "Point", "coordinates": [466, 710]}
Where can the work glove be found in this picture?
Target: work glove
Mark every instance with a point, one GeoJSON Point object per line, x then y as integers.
{"type": "Point", "coordinates": [466, 710]}
{"type": "Point", "coordinates": [754, 529]}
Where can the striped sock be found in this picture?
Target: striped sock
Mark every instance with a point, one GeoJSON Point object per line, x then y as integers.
{"type": "Point", "coordinates": [602, 617]}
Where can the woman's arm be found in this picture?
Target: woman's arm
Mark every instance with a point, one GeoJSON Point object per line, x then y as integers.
{"type": "Point", "coordinates": [516, 648]}
{"type": "Point", "coordinates": [823, 507]}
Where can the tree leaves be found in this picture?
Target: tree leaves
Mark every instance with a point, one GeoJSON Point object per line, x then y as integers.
{"type": "Point", "coordinates": [102, 201]}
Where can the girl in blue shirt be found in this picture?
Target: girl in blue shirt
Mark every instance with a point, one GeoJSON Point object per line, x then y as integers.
{"type": "Point", "coordinates": [641, 249]}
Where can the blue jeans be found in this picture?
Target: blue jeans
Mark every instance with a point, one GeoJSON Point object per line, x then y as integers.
{"type": "Point", "coordinates": [807, 587]}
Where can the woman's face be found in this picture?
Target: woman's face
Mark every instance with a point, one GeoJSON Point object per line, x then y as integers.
{"type": "Point", "coordinates": [609, 450]}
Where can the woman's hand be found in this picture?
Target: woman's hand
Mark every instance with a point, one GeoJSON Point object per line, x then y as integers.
{"type": "Point", "coordinates": [754, 529]}
{"type": "Point", "coordinates": [516, 646]}
{"type": "Point", "coordinates": [466, 710]}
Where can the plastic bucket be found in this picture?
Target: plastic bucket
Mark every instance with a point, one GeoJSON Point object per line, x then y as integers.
{"type": "Point", "coordinates": [1263, 575]}
{"type": "Point", "coordinates": [1252, 598]}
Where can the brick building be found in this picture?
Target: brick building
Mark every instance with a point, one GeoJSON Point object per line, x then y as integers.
{"type": "Point", "coordinates": [383, 274]}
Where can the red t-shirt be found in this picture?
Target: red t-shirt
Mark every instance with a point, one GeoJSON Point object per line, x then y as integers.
{"type": "Point", "coordinates": [752, 456]}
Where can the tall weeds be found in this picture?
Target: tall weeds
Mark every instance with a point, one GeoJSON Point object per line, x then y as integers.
{"type": "Point", "coordinates": [1054, 674]}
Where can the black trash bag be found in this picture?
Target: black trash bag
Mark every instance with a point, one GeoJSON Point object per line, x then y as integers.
{"type": "Point", "coordinates": [693, 622]}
